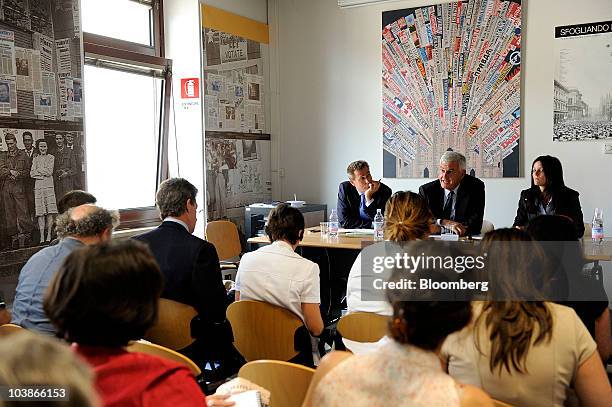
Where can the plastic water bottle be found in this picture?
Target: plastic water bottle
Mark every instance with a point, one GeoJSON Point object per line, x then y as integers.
{"type": "Point", "coordinates": [378, 225]}
{"type": "Point", "coordinates": [597, 230]}
{"type": "Point", "coordinates": [333, 223]}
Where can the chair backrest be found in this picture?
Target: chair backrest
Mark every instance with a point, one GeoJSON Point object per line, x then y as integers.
{"type": "Point", "coordinates": [262, 330]}
{"type": "Point", "coordinates": [363, 326]}
{"type": "Point", "coordinates": [161, 351]}
{"type": "Point", "coordinates": [8, 329]}
{"type": "Point", "coordinates": [487, 226]}
{"type": "Point", "coordinates": [287, 382]}
{"type": "Point", "coordinates": [498, 403]}
{"type": "Point", "coordinates": [223, 234]}
{"type": "Point", "coordinates": [588, 230]}
{"type": "Point", "coordinates": [173, 326]}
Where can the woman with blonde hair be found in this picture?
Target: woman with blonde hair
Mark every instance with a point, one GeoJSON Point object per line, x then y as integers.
{"type": "Point", "coordinates": [519, 348]}
{"type": "Point", "coordinates": [407, 217]}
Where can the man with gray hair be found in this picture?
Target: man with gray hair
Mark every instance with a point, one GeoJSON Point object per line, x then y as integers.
{"type": "Point", "coordinates": [191, 269]}
{"type": "Point", "coordinates": [456, 199]}
{"type": "Point", "coordinates": [77, 227]}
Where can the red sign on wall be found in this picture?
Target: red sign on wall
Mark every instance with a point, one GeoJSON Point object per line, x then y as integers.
{"type": "Point", "coordinates": [190, 88]}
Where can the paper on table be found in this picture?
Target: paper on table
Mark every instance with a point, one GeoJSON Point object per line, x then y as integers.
{"type": "Point", "coordinates": [360, 231]}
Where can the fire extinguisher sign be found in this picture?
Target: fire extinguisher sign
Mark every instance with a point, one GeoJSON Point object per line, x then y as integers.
{"type": "Point", "coordinates": [190, 88]}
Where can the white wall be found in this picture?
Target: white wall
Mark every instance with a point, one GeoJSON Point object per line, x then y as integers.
{"type": "Point", "coordinates": [329, 101]}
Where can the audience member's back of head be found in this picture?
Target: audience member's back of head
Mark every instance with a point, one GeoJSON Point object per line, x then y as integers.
{"type": "Point", "coordinates": [285, 223]}
{"type": "Point", "coordinates": [172, 196]}
{"type": "Point", "coordinates": [422, 317]}
{"type": "Point", "coordinates": [515, 265]}
{"type": "Point", "coordinates": [86, 221]}
{"type": "Point", "coordinates": [552, 228]}
{"type": "Point", "coordinates": [73, 199]}
{"type": "Point", "coordinates": [564, 255]}
{"type": "Point", "coordinates": [105, 295]}
{"type": "Point", "coordinates": [28, 359]}
{"type": "Point", "coordinates": [407, 217]}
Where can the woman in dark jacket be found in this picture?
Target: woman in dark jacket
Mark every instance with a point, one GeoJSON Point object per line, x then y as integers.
{"type": "Point", "coordinates": [548, 195]}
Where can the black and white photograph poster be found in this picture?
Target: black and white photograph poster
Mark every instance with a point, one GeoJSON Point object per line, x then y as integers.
{"type": "Point", "coordinates": [583, 84]}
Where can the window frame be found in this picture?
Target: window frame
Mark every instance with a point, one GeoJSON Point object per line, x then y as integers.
{"type": "Point", "coordinates": [113, 50]}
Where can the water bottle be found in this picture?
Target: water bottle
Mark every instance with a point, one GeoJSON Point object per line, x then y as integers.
{"type": "Point", "coordinates": [378, 225]}
{"type": "Point", "coordinates": [597, 230]}
{"type": "Point", "coordinates": [333, 224]}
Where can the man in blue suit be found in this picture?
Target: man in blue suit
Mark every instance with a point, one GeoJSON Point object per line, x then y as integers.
{"type": "Point", "coordinates": [360, 197]}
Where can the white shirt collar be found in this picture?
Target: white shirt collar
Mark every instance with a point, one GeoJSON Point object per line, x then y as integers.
{"type": "Point", "coordinates": [283, 244]}
{"type": "Point", "coordinates": [175, 220]}
{"type": "Point", "coordinates": [446, 191]}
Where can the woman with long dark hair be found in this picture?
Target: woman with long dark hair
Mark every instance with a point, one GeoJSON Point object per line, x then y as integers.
{"type": "Point", "coordinates": [548, 195]}
{"type": "Point", "coordinates": [525, 353]}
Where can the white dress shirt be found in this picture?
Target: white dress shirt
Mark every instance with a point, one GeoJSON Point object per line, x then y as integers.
{"type": "Point", "coordinates": [279, 276]}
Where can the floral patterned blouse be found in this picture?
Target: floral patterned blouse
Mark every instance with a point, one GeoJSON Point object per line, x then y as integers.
{"type": "Point", "coordinates": [393, 375]}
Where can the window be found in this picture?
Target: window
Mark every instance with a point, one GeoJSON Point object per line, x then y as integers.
{"type": "Point", "coordinates": [127, 91]}
{"type": "Point", "coordinates": [133, 23]}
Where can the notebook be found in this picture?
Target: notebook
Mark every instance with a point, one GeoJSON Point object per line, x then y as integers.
{"type": "Point", "coordinates": [251, 398]}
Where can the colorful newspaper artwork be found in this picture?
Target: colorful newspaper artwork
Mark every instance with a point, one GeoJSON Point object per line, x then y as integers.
{"type": "Point", "coordinates": [451, 81]}
{"type": "Point", "coordinates": [583, 91]}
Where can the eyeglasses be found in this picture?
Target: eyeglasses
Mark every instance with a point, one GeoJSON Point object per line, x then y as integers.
{"type": "Point", "coordinates": [538, 171]}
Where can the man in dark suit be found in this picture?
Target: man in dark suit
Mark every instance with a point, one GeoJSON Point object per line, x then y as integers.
{"type": "Point", "coordinates": [191, 268]}
{"type": "Point", "coordinates": [360, 197]}
{"type": "Point", "coordinates": [456, 200]}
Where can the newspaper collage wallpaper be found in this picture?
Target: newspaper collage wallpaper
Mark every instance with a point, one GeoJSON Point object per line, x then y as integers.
{"type": "Point", "coordinates": [237, 146]}
{"type": "Point", "coordinates": [41, 116]}
{"type": "Point", "coordinates": [451, 81]}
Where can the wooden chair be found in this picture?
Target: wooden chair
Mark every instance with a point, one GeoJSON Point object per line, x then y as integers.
{"type": "Point", "coordinates": [223, 234]}
{"type": "Point", "coordinates": [363, 326]}
{"type": "Point", "coordinates": [487, 226]}
{"type": "Point", "coordinates": [287, 382]}
{"type": "Point", "coordinates": [498, 403]}
{"type": "Point", "coordinates": [8, 329]}
{"type": "Point", "coordinates": [263, 331]}
{"type": "Point", "coordinates": [173, 326]}
{"type": "Point", "coordinates": [161, 351]}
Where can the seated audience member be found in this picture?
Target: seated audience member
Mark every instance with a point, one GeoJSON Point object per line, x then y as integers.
{"type": "Point", "coordinates": [28, 359]}
{"type": "Point", "coordinates": [407, 217]}
{"type": "Point", "coordinates": [191, 270]}
{"type": "Point", "coordinates": [594, 314]}
{"type": "Point", "coordinates": [525, 353]}
{"type": "Point", "coordinates": [276, 274]}
{"type": "Point", "coordinates": [5, 315]}
{"type": "Point", "coordinates": [403, 372]}
{"type": "Point", "coordinates": [101, 298]}
{"type": "Point", "coordinates": [548, 195]}
{"type": "Point", "coordinates": [73, 198]}
{"type": "Point", "coordinates": [456, 199]}
{"type": "Point", "coordinates": [76, 228]}
{"type": "Point", "coordinates": [360, 197]}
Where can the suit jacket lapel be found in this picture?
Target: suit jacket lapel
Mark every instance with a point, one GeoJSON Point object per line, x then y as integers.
{"type": "Point", "coordinates": [461, 202]}
{"type": "Point", "coordinates": [438, 205]}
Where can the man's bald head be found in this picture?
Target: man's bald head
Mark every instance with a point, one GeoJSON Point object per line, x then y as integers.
{"type": "Point", "coordinates": [87, 221]}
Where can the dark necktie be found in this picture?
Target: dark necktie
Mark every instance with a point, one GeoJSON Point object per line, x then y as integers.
{"type": "Point", "coordinates": [362, 209]}
{"type": "Point", "coordinates": [448, 206]}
